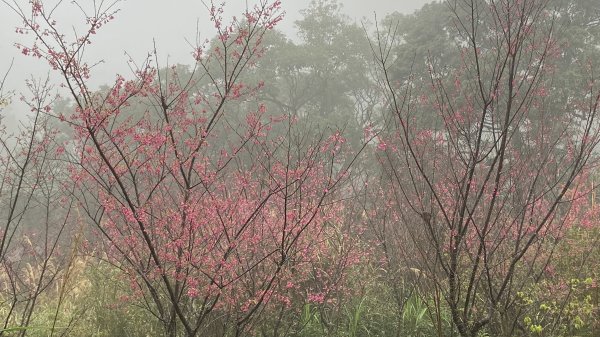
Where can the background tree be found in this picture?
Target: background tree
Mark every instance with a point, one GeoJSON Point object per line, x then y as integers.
{"type": "Point", "coordinates": [324, 77]}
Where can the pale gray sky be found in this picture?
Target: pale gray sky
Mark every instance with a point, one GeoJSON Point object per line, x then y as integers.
{"type": "Point", "coordinates": [168, 22]}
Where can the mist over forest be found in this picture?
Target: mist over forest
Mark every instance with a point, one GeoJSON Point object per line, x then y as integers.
{"type": "Point", "coordinates": [299, 168]}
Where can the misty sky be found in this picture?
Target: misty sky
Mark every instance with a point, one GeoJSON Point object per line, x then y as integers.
{"type": "Point", "coordinates": [170, 23]}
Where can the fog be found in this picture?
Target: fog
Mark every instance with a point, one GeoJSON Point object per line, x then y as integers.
{"type": "Point", "coordinates": [368, 168]}
{"type": "Point", "coordinates": [140, 24]}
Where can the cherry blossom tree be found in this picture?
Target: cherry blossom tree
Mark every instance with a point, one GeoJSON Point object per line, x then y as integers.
{"type": "Point", "coordinates": [214, 209]}
{"type": "Point", "coordinates": [35, 217]}
{"type": "Point", "coordinates": [484, 187]}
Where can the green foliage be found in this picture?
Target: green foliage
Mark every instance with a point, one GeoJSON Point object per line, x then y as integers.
{"type": "Point", "coordinates": [415, 320]}
{"type": "Point", "coordinates": [95, 304]}
{"type": "Point", "coordinates": [565, 302]}
{"type": "Point", "coordinates": [91, 305]}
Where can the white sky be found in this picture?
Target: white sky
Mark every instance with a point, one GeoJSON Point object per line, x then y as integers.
{"type": "Point", "coordinates": [168, 22]}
